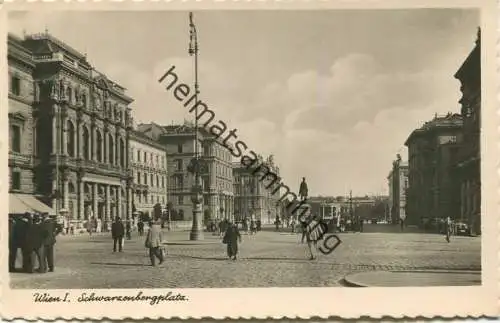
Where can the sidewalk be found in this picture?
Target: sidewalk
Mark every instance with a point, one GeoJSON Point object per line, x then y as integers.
{"type": "Point", "coordinates": [414, 278]}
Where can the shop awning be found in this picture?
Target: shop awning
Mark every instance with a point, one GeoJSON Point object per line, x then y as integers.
{"type": "Point", "coordinates": [16, 206]}
{"type": "Point", "coordinates": [30, 202]}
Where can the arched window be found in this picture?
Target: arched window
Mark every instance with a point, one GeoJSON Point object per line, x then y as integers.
{"type": "Point", "coordinates": [69, 95]}
{"type": "Point", "coordinates": [70, 144]}
{"type": "Point", "coordinates": [86, 143]}
{"type": "Point", "coordinates": [71, 188]}
{"type": "Point", "coordinates": [99, 146]}
{"type": "Point", "coordinates": [111, 151]}
{"type": "Point", "coordinates": [122, 153]}
{"type": "Point", "coordinates": [84, 100]}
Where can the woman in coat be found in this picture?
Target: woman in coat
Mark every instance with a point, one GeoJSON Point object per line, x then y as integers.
{"type": "Point", "coordinates": [231, 238]}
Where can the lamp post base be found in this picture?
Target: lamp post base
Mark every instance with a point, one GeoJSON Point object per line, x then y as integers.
{"type": "Point", "coordinates": [196, 230]}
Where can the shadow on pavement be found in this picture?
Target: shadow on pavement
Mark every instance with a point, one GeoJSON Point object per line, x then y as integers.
{"type": "Point", "coordinates": [196, 257]}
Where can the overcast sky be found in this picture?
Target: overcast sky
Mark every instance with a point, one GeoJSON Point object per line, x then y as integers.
{"type": "Point", "coordinates": [332, 94]}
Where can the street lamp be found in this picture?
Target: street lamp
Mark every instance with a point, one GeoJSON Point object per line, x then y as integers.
{"type": "Point", "coordinates": [197, 189]}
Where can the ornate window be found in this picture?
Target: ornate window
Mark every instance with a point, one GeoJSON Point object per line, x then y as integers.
{"type": "Point", "coordinates": [15, 138]}
{"type": "Point", "coordinates": [122, 153]}
{"type": "Point", "coordinates": [111, 155]}
{"type": "Point", "coordinates": [70, 145]}
{"type": "Point", "coordinates": [69, 95]}
{"type": "Point", "coordinates": [84, 100]}
{"type": "Point", "coordinates": [15, 85]}
{"type": "Point", "coordinates": [86, 143]}
{"type": "Point", "coordinates": [99, 146]}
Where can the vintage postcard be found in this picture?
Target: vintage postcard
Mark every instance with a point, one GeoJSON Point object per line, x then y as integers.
{"type": "Point", "coordinates": [249, 160]}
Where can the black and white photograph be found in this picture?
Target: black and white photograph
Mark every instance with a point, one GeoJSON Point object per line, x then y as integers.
{"type": "Point", "coordinates": [220, 149]}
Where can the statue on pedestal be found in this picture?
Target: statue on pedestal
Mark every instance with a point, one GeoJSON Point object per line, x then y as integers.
{"type": "Point", "coordinates": [303, 191]}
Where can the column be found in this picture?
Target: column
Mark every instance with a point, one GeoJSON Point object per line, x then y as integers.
{"type": "Point", "coordinates": [107, 214]}
{"type": "Point", "coordinates": [64, 135]}
{"type": "Point", "coordinates": [119, 201]}
{"type": "Point", "coordinates": [93, 142]}
{"type": "Point", "coordinates": [81, 199]}
{"type": "Point", "coordinates": [117, 149]}
{"type": "Point", "coordinates": [54, 131]}
{"type": "Point", "coordinates": [66, 192]}
{"type": "Point", "coordinates": [54, 188]}
{"type": "Point", "coordinates": [129, 201]}
{"type": "Point", "coordinates": [94, 200]}
{"type": "Point", "coordinates": [105, 143]}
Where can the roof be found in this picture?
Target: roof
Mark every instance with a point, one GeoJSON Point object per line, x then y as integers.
{"type": "Point", "coordinates": [141, 137]}
{"type": "Point", "coordinates": [473, 60]}
{"type": "Point", "coordinates": [446, 122]}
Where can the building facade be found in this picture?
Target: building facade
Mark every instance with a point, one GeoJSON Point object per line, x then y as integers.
{"type": "Point", "coordinates": [217, 177]}
{"type": "Point", "coordinates": [398, 186]}
{"type": "Point", "coordinates": [79, 131]}
{"type": "Point", "coordinates": [432, 155]}
{"type": "Point", "coordinates": [148, 161]}
{"type": "Point", "coordinates": [21, 122]}
{"type": "Point", "coordinates": [252, 198]}
{"type": "Point", "coordinates": [469, 165]}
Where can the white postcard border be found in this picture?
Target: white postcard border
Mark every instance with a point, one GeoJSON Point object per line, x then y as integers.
{"type": "Point", "coordinates": [285, 302]}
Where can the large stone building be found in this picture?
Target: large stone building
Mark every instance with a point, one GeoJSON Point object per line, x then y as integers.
{"type": "Point", "coordinates": [252, 198]}
{"type": "Point", "coordinates": [398, 186]}
{"type": "Point", "coordinates": [432, 155]}
{"type": "Point", "coordinates": [217, 177]}
{"type": "Point", "coordinates": [469, 166]}
{"type": "Point", "coordinates": [148, 160]}
{"type": "Point", "coordinates": [77, 123]}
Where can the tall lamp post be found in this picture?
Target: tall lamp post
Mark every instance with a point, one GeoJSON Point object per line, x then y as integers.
{"type": "Point", "coordinates": [197, 189]}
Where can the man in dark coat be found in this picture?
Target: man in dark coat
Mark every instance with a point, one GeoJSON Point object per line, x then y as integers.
{"type": "Point", "coordinates": [231, 238]}
{"type": "Point", "coordinates": [34, 247]}
{"type": "Point", "coordinates": [49, 232]}
{"type": "Point", "coordinates": [117, 232]}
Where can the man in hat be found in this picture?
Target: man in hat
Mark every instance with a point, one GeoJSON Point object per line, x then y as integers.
{"type": "Point", "coordinates": [49, 232]}
{"type": "Point", "coordinates": [117, 232]}
{"type": "Point", "coordinates": [303, 190]}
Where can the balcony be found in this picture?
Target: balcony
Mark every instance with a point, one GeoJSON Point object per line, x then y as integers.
{"type": "Point", "coordinates": [19, 159]}
{"type": "Point", "coordinates": [142, 188]}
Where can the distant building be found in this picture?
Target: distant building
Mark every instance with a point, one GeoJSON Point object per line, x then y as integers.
{"type": "Point", "coordinates": [398, 185]}
{"type": "Point", "coordinates": [432, 155]}
{"type": "Point", "coordinates": [148, 160]}
{"type": "Point", "coordinates": [217, 177]}
{"type": "Point", "coordinates": [469, 165]}
{"type": "Point", "coordinates": [251, 195]}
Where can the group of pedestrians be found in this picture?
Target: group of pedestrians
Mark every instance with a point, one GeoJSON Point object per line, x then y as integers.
{"type": "Point", "coordinates": [35, 234]}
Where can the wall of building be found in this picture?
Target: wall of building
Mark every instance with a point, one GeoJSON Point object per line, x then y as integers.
{"type": "Point", "coordinates": [148, 160]}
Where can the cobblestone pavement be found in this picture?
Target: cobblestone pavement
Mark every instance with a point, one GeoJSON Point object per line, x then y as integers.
{"type": "Point", "coordinates": [268, 259]}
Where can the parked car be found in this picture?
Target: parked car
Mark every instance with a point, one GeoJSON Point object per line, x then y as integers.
{"type": "Point", "coordinates": [462, 229]}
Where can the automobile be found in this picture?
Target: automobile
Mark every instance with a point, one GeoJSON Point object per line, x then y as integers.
{"type": "Point", "coordinates": [462, 229]}
{"type": "Point", "coordinates": [374, 221]}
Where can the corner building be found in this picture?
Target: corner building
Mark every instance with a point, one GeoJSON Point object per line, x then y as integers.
{"type": "Point", "coordinates": [432, 156]}
{"type": "Point", "coordinates": [469, 166]}
{"type": "Point", "coordinates": [148, 160]}
{"type": "Point", "coordinates": [217, 178]}
{"type": "Point", "coordinates": [81, 125]}
{"type": "Point", "coordinates": [251, 195]}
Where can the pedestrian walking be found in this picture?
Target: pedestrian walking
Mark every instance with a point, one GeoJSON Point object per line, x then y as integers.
{"type": "Point", "coordinates": [117, 232]}
{"type": "Point", "coordinates": [277, 223]}
{"type": "Point", "coordinates": [49, 232]}
{"type": "Point", "coordinates": [231, 239]}
{"type": "Point", "coordinates": [140, 228]}
{"type": "Point", "coordinates": [154, 240]}
{"type": "Point", "coordinates": [448, 228]}
{"type": "Point", "coordinates": [128, 230]}
{"type": "Point", "coordinates": [314, 231]}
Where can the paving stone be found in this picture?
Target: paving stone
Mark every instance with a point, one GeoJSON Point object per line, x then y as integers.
{"type": "Point", "coordinates": [268, 259]}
